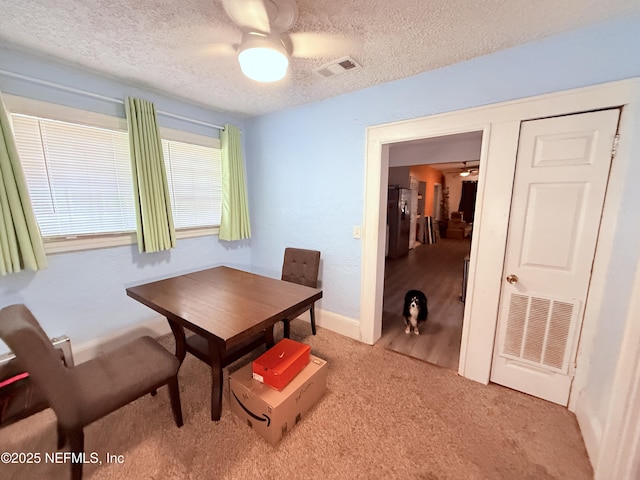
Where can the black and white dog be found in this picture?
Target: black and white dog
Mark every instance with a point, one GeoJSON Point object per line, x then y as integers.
{"type": "Point", "coordinates": [415, 310]}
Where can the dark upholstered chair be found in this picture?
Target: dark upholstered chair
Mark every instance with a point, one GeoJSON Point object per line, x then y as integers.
{"type": "Point", "coordinates": [83, 394]}
{"type": "Point", "coordinates": [301, 266]}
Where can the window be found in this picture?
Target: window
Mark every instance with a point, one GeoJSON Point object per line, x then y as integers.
{"type": "Point", "coordinates": [79, 176]}
{"type": "Point", "coordinates": [195, 183]}
{"type": "Point", "coordinates": [78, 172]}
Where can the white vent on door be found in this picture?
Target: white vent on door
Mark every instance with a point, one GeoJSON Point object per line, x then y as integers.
{"type": "Point", "coordinates": [337, 67]}
{"type": "Point", "coordinates": [538, 330]}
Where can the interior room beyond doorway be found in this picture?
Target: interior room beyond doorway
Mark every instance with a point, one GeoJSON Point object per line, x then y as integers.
{"type": "Point", "coordinates": [427, 241]}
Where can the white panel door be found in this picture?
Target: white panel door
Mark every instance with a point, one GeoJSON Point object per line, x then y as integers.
{"type": "Point", "coordinates": [559, 188]}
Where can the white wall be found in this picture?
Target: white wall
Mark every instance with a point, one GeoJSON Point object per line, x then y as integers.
{"type": "Point", "coordinates": [453, 183]}
{"type": "Point", "coordinates": [451, 148]}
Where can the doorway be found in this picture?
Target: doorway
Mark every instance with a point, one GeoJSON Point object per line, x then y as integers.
{"type": "Point", "coordinates": [436, 270]}
{"type": "Point", "coordinates": [437, 256]}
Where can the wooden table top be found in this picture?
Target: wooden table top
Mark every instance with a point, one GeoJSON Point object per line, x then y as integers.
{"type": "Point", "coordinates": [224, 303]}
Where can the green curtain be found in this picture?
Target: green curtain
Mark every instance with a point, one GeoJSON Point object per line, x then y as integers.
{"type": "Point", "coordinates": [155, 228]}
{"type": "Point", "coordinates": [20, 240]}
{"type": "Point", "coordinates": [234, 221]}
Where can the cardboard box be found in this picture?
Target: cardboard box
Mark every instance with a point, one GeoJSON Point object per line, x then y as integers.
{"type": "Point", "coordinates": [278, 365]}
{"type": "Point", "coordinates": [273, 413]}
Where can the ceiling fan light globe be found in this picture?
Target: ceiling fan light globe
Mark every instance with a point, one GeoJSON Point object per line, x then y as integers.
{"type": "Point", "coordinates": [465, 173]}
{"type": "Point", "coordinates": [263, 64]}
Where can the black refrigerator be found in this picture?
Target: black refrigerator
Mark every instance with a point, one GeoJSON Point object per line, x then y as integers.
{"type": "Point", "coordinates": [398, 221]}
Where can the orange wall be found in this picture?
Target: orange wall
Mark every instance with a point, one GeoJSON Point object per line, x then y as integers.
{"type": "Point", "coordinates": [431, 176]}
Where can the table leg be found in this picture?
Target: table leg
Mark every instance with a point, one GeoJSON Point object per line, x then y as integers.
{"type": "Point", "coordinates": [216, 380]}
{"type": "Point", "coordinates": [287, 328]}
{"type": "Point", "coordinates": [181, 341]}
{"type": "Point", "coordinates": [268, 337]}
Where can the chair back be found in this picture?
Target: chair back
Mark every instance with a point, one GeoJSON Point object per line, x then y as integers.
{"type": "Point", "coordinates": [35, 354]}
{"type": "Point", "coordinates": [301, 266]}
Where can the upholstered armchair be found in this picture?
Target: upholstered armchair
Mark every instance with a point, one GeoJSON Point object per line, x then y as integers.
{"type": "Point", "coordinates": [82, 394]}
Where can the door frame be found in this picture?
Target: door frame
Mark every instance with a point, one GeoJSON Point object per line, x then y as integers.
{"type": "Point", "coordinates": [500, 124]}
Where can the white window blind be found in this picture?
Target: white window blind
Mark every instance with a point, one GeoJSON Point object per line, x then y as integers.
{"type": "Point", "coordinates": [194, 176]}
{"type": "Point", "coordinates": [79, 177]}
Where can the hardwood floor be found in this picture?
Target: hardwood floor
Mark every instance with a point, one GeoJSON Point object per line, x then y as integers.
{"type": "Point", "coordinates": [437, 270]}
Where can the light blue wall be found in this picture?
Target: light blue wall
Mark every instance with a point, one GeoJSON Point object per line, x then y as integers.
{"type": "Point", "coordinates": [47, 71]}
{"type": "Point", "coordinates": [305, 190]}
{"type": "Point", "coordinates": [82, 294]}
{"type": "Point", "coordinates": [306, 165]}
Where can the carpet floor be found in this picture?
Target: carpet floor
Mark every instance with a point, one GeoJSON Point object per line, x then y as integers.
{"type": "Point", "coordinates": [384, 415]}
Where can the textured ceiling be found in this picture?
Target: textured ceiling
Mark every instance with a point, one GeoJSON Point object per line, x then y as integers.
{"type": "Point", "coordinates": [182, 47]}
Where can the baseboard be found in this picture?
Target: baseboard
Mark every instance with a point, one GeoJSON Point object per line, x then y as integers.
{"type": "Point", "coordinates": [590, 427]}
{"type": "Point", "coordinates": [156, 327]}
{"type": "Point", "coordinates": [337, 323]}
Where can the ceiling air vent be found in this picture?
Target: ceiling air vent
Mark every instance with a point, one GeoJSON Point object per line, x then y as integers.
{"type": "Point", "coordinates": [337, 67]}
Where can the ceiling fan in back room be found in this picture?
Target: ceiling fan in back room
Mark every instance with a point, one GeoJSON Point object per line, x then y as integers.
{"type": "Point", "coordinates": [465, 171]}
{"type": "Point", "coordinates": [267, 45]}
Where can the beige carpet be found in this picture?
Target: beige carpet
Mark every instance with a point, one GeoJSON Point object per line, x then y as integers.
{"type": "Point", "coordinates": [384, 416]}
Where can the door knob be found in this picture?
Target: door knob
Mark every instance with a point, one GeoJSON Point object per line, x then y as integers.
{"type": "Point", "coordinates": [512, 279]}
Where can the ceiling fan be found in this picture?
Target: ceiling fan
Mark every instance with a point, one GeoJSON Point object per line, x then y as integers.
{"type": "Point", "coordinates": [466, 171]}
{"type": "Point", "coordinates": [267, 45]}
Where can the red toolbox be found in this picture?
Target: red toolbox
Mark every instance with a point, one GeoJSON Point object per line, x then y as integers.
{"type": "Point", "coordinates": [278, 365]}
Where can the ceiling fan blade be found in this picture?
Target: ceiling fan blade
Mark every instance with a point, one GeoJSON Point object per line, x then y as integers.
{"type": "Point", "coordinates": [211, 41]}
{"type": "Point", "coordinates": [321, 45]}
{"type": "Point", "coordinates": [218, 49]}
{"type": "Point", "coordinates": [250, 15]}
{"type": "Point", "coordinates": [211, 49]}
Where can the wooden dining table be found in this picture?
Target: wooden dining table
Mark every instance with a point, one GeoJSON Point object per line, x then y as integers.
{"type": "Point", "coordinates": [230, 312]}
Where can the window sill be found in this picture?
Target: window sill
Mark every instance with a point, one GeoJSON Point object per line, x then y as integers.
{"type": "Point", "coordinates": [54, 245]}
{"type": "Point", "coordinates": [197, 232]}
